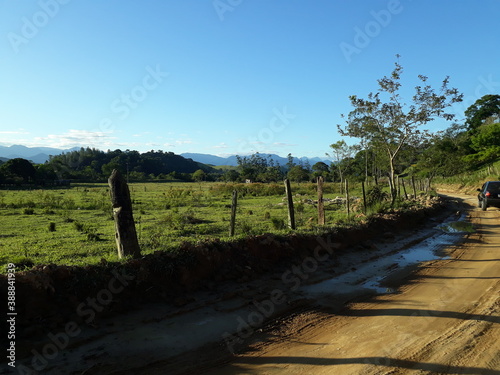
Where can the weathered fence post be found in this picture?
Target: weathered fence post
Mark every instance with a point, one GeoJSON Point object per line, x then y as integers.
{"type": "Point", "coordinates": [347, 197]}
{"type": "Point", "coordinates": [364, 197]}
{"type": "Point", "coordinates": [321, 207]}
{"type": "Point", "coordinates": [291, 214]}
{"type": "Point", "coordinates": [414, 188]}
{"type": "Point", "coordinates": [125, 233]}
{"type": "Point", "coordinates": [398, 187]}
{"type": "Point", "coordinates": [404, 188]}
{"type": "Point", "coordinates": [234, 204]}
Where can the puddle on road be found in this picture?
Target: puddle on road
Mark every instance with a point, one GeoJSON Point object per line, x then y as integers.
{"type": "Point", "coordinates": [457, 227]}
{"type": "Point", "coordinates": [368, 276]}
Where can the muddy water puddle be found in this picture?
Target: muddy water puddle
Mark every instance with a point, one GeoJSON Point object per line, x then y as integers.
{"type": "Point", "coordinates": [367, 278]}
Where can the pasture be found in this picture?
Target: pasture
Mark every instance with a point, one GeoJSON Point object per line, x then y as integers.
{"type": "Point", "coordinates": [74, 226]}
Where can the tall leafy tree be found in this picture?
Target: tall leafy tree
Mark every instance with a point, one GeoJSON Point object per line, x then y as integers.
{"type": "Point", "coordinates": [484, 108]}
{"type": "Point", "coordinates": [19, 169]}
{"type": "Point", "coordinates": [486, 143]}
{"type": "Point", "coordinates": [389, 123]}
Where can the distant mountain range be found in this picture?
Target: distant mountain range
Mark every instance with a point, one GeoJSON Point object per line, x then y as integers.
{"type": "Point", "coordinates": [232, 161]}
{"type": "Point", "coordinates": [37, 155]}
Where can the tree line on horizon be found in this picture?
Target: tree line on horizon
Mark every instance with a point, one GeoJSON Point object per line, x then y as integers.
{"type": "Point", "coordinates": [390, 139]}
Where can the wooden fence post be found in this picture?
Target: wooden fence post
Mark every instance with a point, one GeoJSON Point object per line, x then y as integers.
{"type": "Point", "coordinates": [347, 197]}
{"type": "Point", "coordinates": [404, 188]}
{"type": "Point", "coordinates": [414, 189]}
{"type": "Point", "coordinates": [364, 197]}
{"type": "Point", "coordinates": [291, 214]}
{"type": "Point", "coordinates": [234, 204]}
{"type": "Point", "coordinates": [125, 233]}
{"type": "Point", "coordinates": [321, 207]}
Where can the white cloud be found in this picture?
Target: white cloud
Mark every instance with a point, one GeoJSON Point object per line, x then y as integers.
{"type": "Point", "coordinates": [281, 144]}
{"type": "Point", "coordinates": [20, 131]}
{"type": "Point", "coordinates": [221, 145]}
{"type": "Point", "coordinates": [75, 138]}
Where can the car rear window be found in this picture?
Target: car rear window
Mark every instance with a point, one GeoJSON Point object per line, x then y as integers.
{"type": "Point", "coordinates": [493, 187]}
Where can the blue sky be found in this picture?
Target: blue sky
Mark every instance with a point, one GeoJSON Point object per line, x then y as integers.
{"type": "Point", "coordinates": [226, 76]}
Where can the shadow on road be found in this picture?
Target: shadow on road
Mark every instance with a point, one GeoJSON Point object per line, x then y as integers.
{"type": "Point", "coordinates": [433, 368]}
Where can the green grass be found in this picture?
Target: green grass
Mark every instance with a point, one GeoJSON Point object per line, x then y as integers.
{"type": "Point", "coordinates": [74, 226]}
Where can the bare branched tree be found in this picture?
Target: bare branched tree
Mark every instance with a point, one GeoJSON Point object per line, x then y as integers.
{"type": "Point", "coordinates": [391, 124]}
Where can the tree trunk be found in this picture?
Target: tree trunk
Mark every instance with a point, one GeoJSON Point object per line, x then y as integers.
{"type": "Point", "coordinates": [366, 166]}
{"type": "Point", "coordinates": [341, 191]}
{"type": "Point", "coordinates": [392, 181]}
{"type": "Point", "coordinates": [364, 197]}
{"type": "Point", "coordinates": [125, 233]}
{"type": "Point", "coordinates": [348, 209]}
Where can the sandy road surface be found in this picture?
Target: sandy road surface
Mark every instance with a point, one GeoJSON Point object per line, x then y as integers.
{"type": "Point", "coordinates": [444, 320]}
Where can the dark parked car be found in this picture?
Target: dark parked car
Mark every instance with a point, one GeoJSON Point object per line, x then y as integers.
{"type": "Point", "coordinates": [489, 195]}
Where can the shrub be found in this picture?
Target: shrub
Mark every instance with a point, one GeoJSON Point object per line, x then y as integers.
{"type": "Point", "coordinates": [246, 228]}
{"type": "Point", "coordinates": [375, 195]}
{"type": "Point", "coordinates": [22, 263]}
{"type": "Point", "coordinates": [78, 226]}
{"type": "Point", "coordinates": [278, 223]}
{"type": "Point", "coordinates": [92, 236]}
{"type": "Point", "coordinates": [28, 211]}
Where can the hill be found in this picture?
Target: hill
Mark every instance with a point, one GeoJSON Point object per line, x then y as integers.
{"type": "Point", "coordinates": [37, 155]}
{"type": "Point", "coordinates": [232, 161]}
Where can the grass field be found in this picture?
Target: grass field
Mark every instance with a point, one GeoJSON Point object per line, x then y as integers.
{"type": "Point", "coordinates": [75, 226]}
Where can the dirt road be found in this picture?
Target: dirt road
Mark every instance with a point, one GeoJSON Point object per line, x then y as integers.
{"type": "Point", "coordinates": [409, 302]}
{"type": "Point", "coordinates": [445, 319]}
